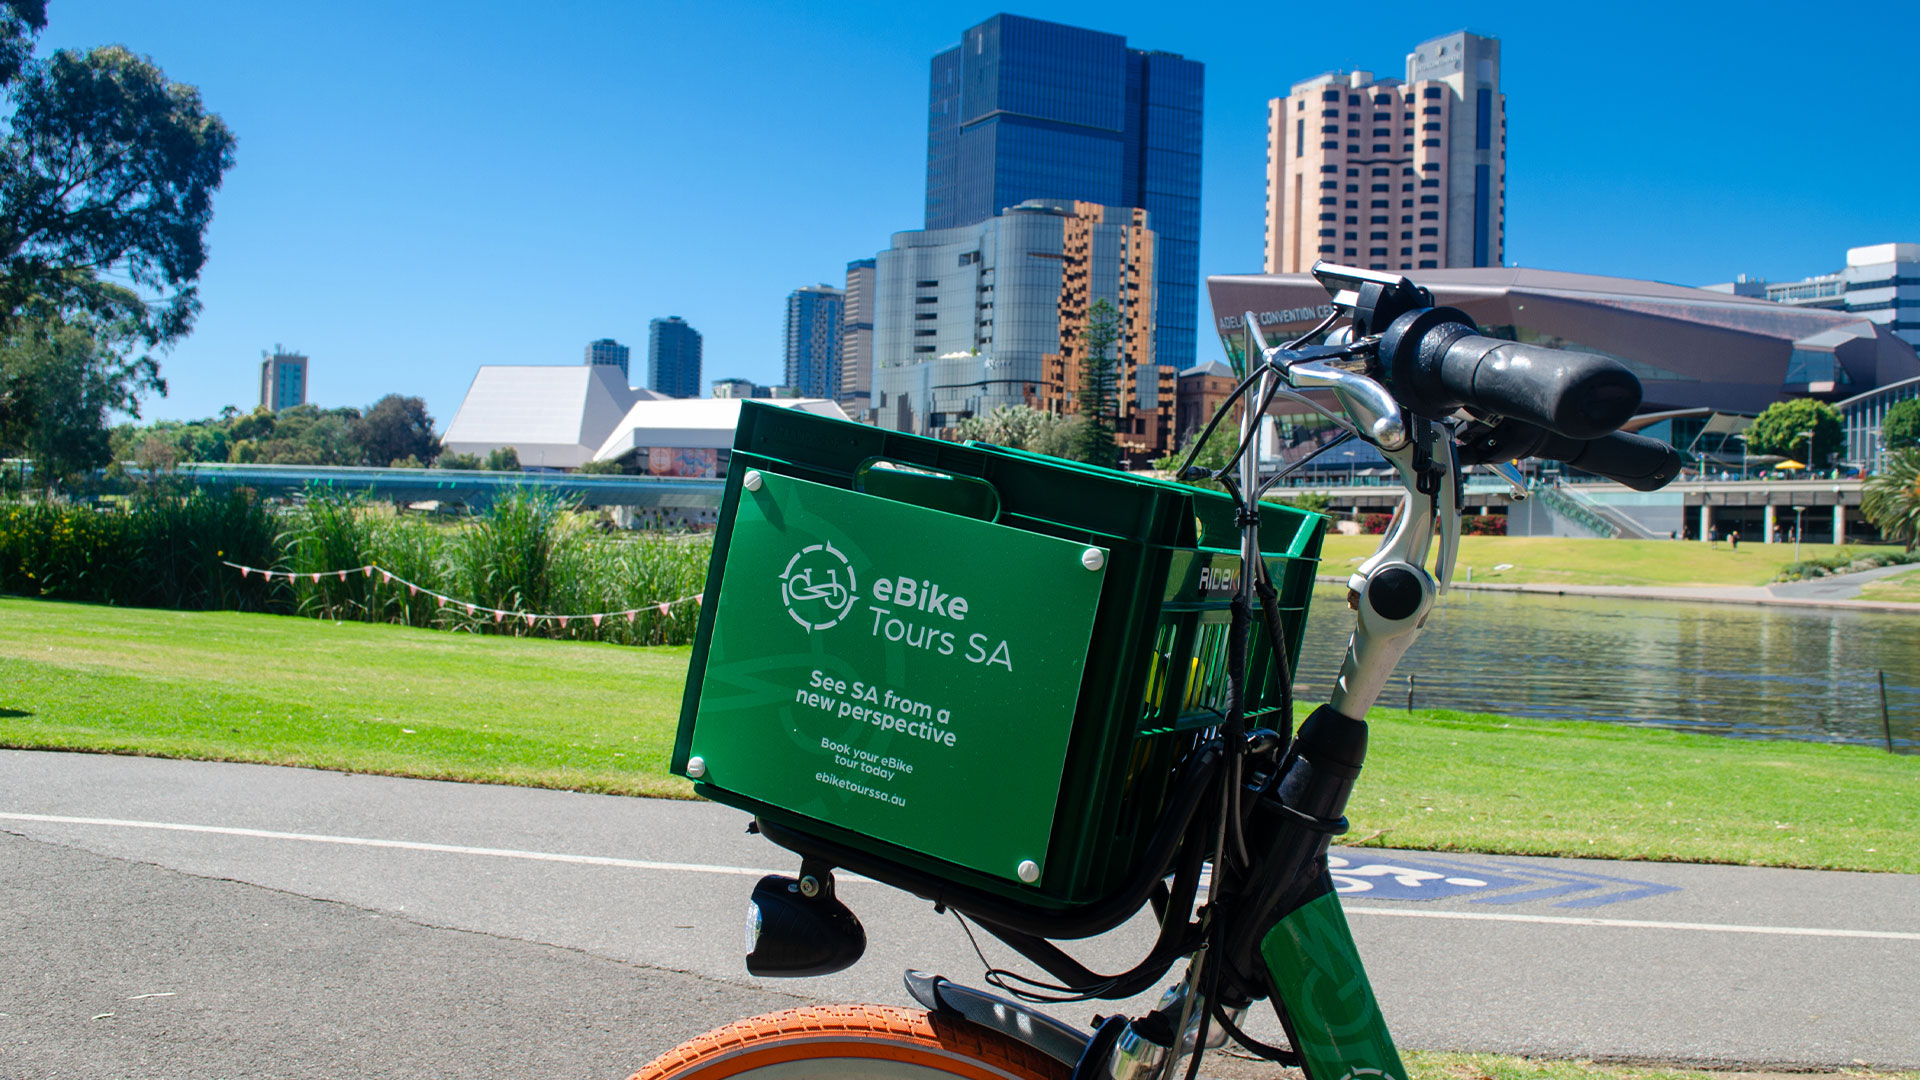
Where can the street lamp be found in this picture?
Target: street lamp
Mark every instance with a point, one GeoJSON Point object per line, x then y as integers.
{"type": "Point", "coordinates": [1350, 468]}
{"type": "Point", "coordinates": [1796, 532]}
{"type": "Point", "coordinates": [1809, 461]}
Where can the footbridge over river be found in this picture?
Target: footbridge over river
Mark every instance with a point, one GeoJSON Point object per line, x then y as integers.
{"type": "Point", "coordinates": [1761, 511]}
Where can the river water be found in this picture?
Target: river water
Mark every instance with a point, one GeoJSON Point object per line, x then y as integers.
{"type": "Point", "coordinates": [1748, 670]}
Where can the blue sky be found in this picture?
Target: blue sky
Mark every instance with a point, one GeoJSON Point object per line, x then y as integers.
{"type": "Point", "coordinates": [425, 187]}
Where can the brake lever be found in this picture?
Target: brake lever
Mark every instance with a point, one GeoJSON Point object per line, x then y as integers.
{"type": "Point", "coordinates": [1373, 409]}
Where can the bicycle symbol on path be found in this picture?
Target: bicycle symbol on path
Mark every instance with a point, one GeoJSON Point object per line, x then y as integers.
{"type": "Point", "coordinates": [1395, 877]}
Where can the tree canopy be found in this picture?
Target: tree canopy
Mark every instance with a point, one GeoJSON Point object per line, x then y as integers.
{"type": "Point", "coordinates": [1021, 427]}
{"type": "Point", "coordinates": [1782, 429]}
{"type": "Point", "coordinates": [1891, 498]}
{"type": "Point", "coordinates": [1901, 426]}
{"type": "Point", "coordinates": [395, 430]}
{"type": "Point", "coordinates": [1097, 401]}
{"type": "Point", "coordinates": [107, 185]}
{"type": "Point", "coordinates": [60, 383]}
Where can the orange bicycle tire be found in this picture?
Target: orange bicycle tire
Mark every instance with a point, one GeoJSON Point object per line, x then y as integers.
{"type": "Point", "coordinates": [875, 1041]}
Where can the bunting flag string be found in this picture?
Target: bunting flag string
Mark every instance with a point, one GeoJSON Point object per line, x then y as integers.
{"type": "Point", "coordinates": [530, 618]}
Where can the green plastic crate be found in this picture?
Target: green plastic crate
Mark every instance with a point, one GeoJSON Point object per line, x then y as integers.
{"type": "Point", "coordinates": [976, 663]}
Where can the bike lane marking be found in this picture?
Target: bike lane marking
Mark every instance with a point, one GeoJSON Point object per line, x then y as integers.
{"type": "Point", "coordinates": [1639, 924]}
{"type": "Point", "coordinates": [704, 868]}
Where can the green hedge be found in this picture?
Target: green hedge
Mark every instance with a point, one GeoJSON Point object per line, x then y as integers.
{"type": "Point", "coordinates": [528, 553]}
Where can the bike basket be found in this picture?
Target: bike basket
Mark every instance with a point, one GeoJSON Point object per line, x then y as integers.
{"type": "Point", "coordinates": [975, 663]}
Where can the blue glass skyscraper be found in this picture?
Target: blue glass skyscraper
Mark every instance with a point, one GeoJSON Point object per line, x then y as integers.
{"type": "Point", "coordinates": [673, 357]}
{"type": "Point", "coordinates": [813, 340]}
{"type": "Point", "coordinates": [1024, 109]}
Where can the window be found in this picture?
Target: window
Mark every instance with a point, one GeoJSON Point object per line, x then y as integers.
{"type": "Point", "coordinates": [1353, 187]}
{"type": "Point", "coordinates": [1377, 236]}
{"type": "Point", "coordinates": [1330, 95]}
{"type": "Point", "coordinates": [1353, 204]}
{"type": "Point", "coordinates": [1383, 172]}
{"type": "Point", "coordinates": [1378, 219]}
{"type": "Point", "coordinates": [1329, 185]}
{"type": "Point", "coordinates": [1431, 110]}
{"type": "Point", "coordinates": [1353, 236]}
{"type": "Point", "coordinates": [1429, 215]}
{"type": "Point", "coordinates": [925, 333]}
{"type": "Point", "coordinates": [1431, 92]}
{"type": "Point", "coordinates": [1434, 182]}
{"type": "Point", "coordinates": [1429, 142]}
{"type": "Point", "coordinates": [1382, 148]}
{"type": "Point", "coordinates": [1353, 99]}
{"type": "Point", "coordinates": [1404, 252]}
{"type": "Point", "coordinates": [1430, 166]}
{"type": "Point", "coordinates": [1381, 204]}
{"type": "Point", "coordinates": [923, 348]}
{"type": "Point", "coordinates": [1329, 129]}
{"type": "Point", "coordinates": [926, 299]}
{"type": "Point", "coordinates": [1383, 99]}
{"type": "Point", "coordinates": [1483, 129]}
{"type": "Point", "coordinates": [926, 314]}
{"type": "Point", "coordinates": [1429, 264]}
{"type": "Point", "coordinates": [1377, 252]}
{"type": "Point", "coordinates": [1326, 232]}
{"type": "Point", "coordinates": [1429, 126]}
{"type": "Point", "coordinates": [1329, 146]}
{"type": "Point", "coordinates": [1429, 247]}
{"type": "Point", "coordinates": [1429, 198]}
{"type": "Point", "coordinates": [1383, 133]}
{"type": "Point", "coordinates": [1353, 172]}
{"type": "Point", "coordinates": [1383, 187]}
{"type": "Point", "coordinates": [1335, 169]}
{"type": "Point", "coordinates": [1326, 249]}
{"type": "Point", "coordinates": [1328, 217]}
{"type": "Point", "coordinates": [1328, 200]}
{"type": "Point", "coordinates": [1430, 232]}
{"type": "Point", "coordinates": [1408, 203]}
{"type": "Point", "coordinates": [926, 284]}
{"type": "Point", "coordinates": [1330, 114]}
{"type": "Point", "coordinates": [1406, 236]}
{"type": "Point", "coordinates": [1299, 138]}
{"type": "Point", "coordinates": [1351, 220]}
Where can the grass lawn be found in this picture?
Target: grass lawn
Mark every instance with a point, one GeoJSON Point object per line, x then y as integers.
{"type": "Point", "coordinates": [1540, 560]}
{"type": "Point", "coordinates": [1903, 588]}
{"type": "Point", "coordinates": [590, 717]}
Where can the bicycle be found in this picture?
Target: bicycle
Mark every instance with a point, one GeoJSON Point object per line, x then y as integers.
{"type": "Point", "coordinates": [1251, 806]}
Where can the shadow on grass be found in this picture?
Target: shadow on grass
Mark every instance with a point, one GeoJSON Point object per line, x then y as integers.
{"type": "Point", "coordinates": [12, 714]}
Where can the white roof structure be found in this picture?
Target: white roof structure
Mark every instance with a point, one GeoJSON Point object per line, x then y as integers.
{"type": "Point", "coordinates": [686, 423]}
{"type": "Point", "coordinates": [563, 416]}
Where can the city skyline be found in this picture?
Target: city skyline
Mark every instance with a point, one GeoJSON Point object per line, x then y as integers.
{"type": "Point", "coordinates": [391, 199]}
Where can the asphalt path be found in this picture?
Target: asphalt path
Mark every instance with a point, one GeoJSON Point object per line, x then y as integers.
{"type": "Point", "coordinates": [191, 919]}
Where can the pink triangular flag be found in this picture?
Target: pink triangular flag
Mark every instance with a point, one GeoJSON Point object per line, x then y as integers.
{"type": "Point", "coordinates": [243, 573]}
{"type": "Point", "coordinates": [529, 620]}
{"type": "Point", "coordinates": [563, 622]}
{"type": "Point", "coordinates": [343, 575]}
{"type": "Point", "coordinates": [366, 571]}
{"type": "Point", "coordinates": [470, 609]}
{"type": "Point", "coordinates": [696, 601]}
{"type": "Point", "coordinates": [412, 589]}
{"type": "Point", "coordinates": [665, 608]}
{"type": "Point", "coordinates": [596, 620]}
{"type": "Point", "coordinates": [316, 579]}
{"type": "Point", "coordinates": [630, 615]}
{"type": "Point", "coordinates": [385, 577]}
{"type": "Point", "coordinates": [498, 615]}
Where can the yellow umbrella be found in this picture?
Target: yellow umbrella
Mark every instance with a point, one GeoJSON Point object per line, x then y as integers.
{"type": "Point", "coordinates": [1789, 464]}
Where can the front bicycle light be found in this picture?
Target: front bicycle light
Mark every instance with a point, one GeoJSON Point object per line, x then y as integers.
{"type": "Point", "coordinates": [797, 927]}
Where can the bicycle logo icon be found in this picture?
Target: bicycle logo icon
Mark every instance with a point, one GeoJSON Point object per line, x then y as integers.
{"type": "Point", "coordinates": [818, 587]}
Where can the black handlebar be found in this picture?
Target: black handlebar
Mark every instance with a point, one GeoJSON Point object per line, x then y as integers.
{"type": "Point", "coordinates": [1437, 363]}
{"type": "Point", "coordinates": [1640, 463]}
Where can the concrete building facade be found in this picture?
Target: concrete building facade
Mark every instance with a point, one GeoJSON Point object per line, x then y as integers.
{"type": "Point", "coordinates": [283, 379]}
{"type": "Point", "coordinates": [813, 340]}
{"type": "Point", "coordinates": [611, 353]}
{"type": "Point", "coordinates": [856, 339]}
{"type": "Point", "coordinates": [972, 318]}
{"type": "Point", "coordinates": [673, 357]}
{"type": "Point", "coordinates": [1392, 174]}
{"type": "Point", "coordinates": [1880, 283]}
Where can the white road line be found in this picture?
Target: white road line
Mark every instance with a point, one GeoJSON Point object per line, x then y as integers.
{"type": "Point", "coordinates": [704, 868]}
{"type": "Point", "coordinates": [403, 845]}
{"type": "Point", "coordinates": [1637, 924]}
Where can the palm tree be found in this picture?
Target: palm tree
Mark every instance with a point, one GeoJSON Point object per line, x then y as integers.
{"type": "Point", "coordinates": [1891, 499]}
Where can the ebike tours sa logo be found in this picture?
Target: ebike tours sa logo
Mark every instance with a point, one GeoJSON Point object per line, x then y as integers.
{"type": "Point", "coordinates": [818, 587]}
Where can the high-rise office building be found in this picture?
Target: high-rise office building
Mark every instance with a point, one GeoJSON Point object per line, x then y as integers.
{"type": "Point", "coordinates": [1023, 109]}
{"type": "Point", "coordinates": [1880, 281]}
{"type": "Point", "coordinates": [856, 340]}
{"type": "Point", "coordinates": [283, 379]}
{"type": "Point", "coordinates": [609, 352]}
{"type": "Point", "coordinates": [813, 340]}
{"type": "Point", "coordinates": [673, 357]}
{"type": "Point", "coordinates": [1388, 173]}
{"type": "Point", "coordinates": [972, 318]}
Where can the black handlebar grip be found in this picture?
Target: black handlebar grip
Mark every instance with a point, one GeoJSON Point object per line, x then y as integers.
{"type": "Point", "coordinates": [1435, 358]}
{"type": "Point", "coordinates": [1641, 463]}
